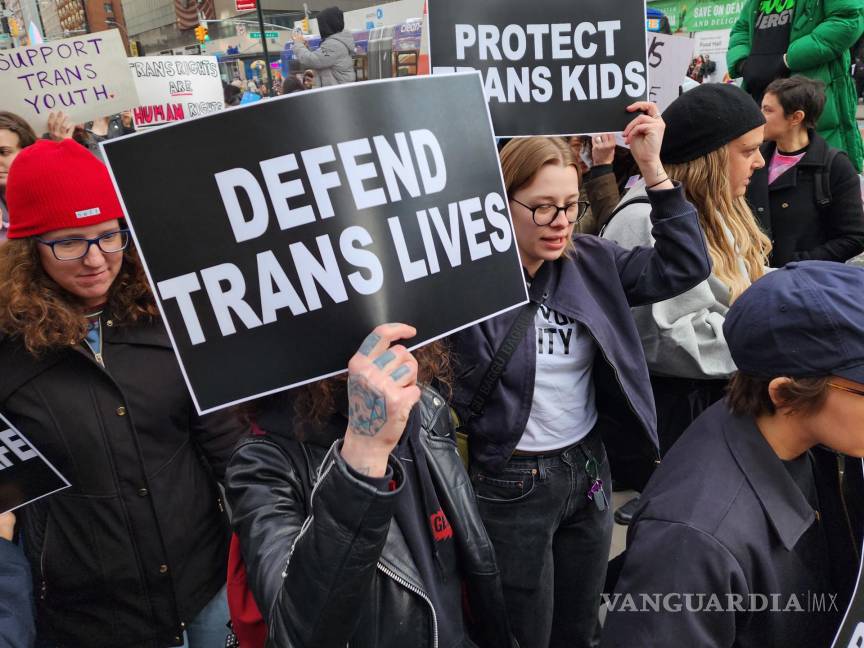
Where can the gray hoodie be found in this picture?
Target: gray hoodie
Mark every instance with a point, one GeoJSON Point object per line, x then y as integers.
{"type": "Point", "coordinates": [683, 336]}
{"type": "Point", "coordinates": [333, 61]}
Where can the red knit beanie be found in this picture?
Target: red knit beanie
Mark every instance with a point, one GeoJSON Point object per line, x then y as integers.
{"type": "Point", "coordinates": [55, 185]}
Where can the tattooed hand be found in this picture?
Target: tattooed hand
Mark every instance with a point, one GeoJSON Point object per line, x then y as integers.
{"type": "Point", "coordinates": [382, 389]}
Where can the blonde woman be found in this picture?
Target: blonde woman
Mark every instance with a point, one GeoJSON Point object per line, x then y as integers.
{"type": "Point", "coordinates": [712, 148]}
{"type": "Point", "coordinates": [575, 377]}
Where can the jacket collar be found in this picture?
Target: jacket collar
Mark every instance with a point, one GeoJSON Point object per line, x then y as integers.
{"type": "Point", "coordinates": [783, 502]}
{"type": "Point", "coordinates": [814, 157]}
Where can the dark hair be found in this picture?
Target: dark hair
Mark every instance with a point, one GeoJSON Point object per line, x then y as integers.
{"type": "Point", "coordinates": [232, 94]}
{"type": "Point", "coordinates": [292, 84]}
{"type": "Point", "coordinates": [748, 395]}
{"type": "Point", "coordinates": [12, 122]}
{"type": "Point", "coordinates": [330, 21]}
{"type": "Point", "coordinates": [800, 93]}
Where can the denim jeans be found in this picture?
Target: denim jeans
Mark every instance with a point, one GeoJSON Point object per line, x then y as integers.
{"type": "Point", "coordinates": [551, 541]}
{"type": "Point", "coordinates": [210, 627]}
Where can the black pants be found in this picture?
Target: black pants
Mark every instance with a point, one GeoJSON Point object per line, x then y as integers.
{"type": "Point", "coordinates": [551, 541]}
{"type": "Point", "coordinates": [679, 401]}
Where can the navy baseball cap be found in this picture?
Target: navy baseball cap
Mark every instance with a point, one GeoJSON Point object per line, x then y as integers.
{"type": "Point", "coordinates": [804, 320]}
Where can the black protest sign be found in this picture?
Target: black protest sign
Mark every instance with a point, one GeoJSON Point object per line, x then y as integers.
{"type": "Point", "coordinates": [277, 235]}
{"type": "Point", "coordinates": [25, 475]}
{"type": "Point", "coordinates": [851, 631]}
{"type": "Point", "coordinates": [550, 67]}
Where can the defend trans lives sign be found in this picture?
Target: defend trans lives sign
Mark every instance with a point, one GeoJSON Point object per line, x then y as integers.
{"type": "Point", "coordinates": [25, 475]}
{"type": "Point", "coordinates": [273, 258]}
{"type": "Point", "coordinates": [550, 67]}
{"type": "Point", "coordinates": [174, 88]}
{"type": "Point", "coordinates": [84, 76]}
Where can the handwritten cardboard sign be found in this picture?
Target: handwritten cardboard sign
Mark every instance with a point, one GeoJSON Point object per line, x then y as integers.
{"type": "Point", "coordinates": [84, 76]}
{"type": "Point", "coordinates": [174, 88]}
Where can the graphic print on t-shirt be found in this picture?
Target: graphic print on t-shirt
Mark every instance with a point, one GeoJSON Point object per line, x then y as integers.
{"type": "Point", "coordinates": [556, 335]}
{"type": "Point", "coordinates": [774, 13]}
{"type": "Point", "coordinates": [563, 409]}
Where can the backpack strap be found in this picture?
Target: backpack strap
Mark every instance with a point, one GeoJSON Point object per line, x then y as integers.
{"type": "Point", "coordinates": [822, 178]}
{"type": "Point", "coordinates": [638, 200]}
{"type": "Point", "coordinates": [502, 357]}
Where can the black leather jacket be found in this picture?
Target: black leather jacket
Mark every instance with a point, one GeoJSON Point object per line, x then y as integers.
{"type": "Point", "coordinates": [324, 562]}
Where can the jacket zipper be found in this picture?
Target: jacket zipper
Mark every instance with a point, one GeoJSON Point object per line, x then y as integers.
{"type": "Point", "coordinates": [43, 585]}
{"type": "Point", "coordinates": [841, 478]}
{"type": "Point", "coordinates": [620, 384]}
{"type": "Point", "coordinates": [419, 593]}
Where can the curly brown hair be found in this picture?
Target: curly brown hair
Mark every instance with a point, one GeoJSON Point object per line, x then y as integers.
{"type": "Point", "coordinates": [317, 402]}
{"type": "Point", "coordinates": [34, 308]}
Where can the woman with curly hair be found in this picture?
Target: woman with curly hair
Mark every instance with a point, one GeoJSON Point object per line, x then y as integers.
{"type": "Point", "coordinates": [355, 517]}
{"type": "Point", "coordinates": [134, 553]}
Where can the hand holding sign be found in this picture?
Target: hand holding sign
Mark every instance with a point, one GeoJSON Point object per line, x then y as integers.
{"type": "Point", "coordinates": [644, 135]}
{"type": "Point", "coordinates": [7, 526]}
{"type": "Point", "coordinates": [382, 389]}
{"type": "Point", "coordinates": [603, 149]}
{"type": "Point", "coordinates": [60, 127]}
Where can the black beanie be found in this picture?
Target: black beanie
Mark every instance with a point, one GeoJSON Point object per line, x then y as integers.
{"type": "Point", "coordinates": [705, 119]}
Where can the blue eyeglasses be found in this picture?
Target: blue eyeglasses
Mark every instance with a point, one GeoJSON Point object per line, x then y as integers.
{"type": "Point", "coordinates": [70, 249]}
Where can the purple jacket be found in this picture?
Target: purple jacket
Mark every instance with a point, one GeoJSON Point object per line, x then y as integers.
{"type": "Point", "coordinates": [597, 287]}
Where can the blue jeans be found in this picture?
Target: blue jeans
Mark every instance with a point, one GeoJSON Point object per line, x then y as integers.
{"type": "Point", "coordinates": [210, 628]}
{"type": "Point", "coordinates": [551, 541]}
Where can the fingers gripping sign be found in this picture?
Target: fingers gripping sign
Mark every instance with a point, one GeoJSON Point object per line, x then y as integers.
{"type": "Point", "coordinates": [644, 135]}
{"type": "Point", "coordinates": [382, 389]}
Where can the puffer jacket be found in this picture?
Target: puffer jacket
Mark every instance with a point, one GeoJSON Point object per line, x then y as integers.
{"type": "Point", "coordinates": [138, 545]}
{"type": "Point", "coordinates": [323, 554]}
{"type": "Point", "coordinates": [822, 33]}
{"type": "Point", "coordinates": [333, 61]}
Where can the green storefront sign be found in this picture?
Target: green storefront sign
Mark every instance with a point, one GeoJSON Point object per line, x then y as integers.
{"type": "Point", "coordinates": [699, 15]}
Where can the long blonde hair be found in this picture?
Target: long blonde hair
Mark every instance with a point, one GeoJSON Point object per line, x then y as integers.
{"type": "Point", "coordinates": [706, 183]}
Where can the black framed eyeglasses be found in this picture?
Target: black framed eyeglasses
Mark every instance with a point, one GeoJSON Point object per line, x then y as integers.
{"type": "Point", "coordinates": [851, 390]}
{"type": "Point", "coordinates": [70, 249]}
{"type": "Point", "coordinates": [546, 213]}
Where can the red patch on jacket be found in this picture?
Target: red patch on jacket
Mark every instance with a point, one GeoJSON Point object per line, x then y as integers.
{"type": "Point", "coordinates": [440, 526]}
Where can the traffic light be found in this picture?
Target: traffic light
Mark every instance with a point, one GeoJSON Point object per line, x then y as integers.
{"type": "Point", "coordinates": [201, 34]}
{"type": "Point", "coordinates": [306, 25]}
{"type": "Point", "coordinates": [14, 27]}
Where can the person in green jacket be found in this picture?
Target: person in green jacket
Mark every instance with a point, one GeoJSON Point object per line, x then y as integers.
{"type": "Point", "coordinates": [811, 38]}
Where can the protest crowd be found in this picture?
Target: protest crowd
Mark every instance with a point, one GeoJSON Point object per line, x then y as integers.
{"type": "Point", "coordinates": [374, 382]}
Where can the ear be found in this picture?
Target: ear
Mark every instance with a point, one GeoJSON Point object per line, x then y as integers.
{"type": "Point", "coordinates": [775, 389]}
{"type": "Point", "coordinates": [796, 117]}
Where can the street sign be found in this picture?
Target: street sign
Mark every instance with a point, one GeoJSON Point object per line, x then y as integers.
{"type": "Point", "coordinates": [257, 35]}
{"type": "Point", "coordinates": [245, 5]}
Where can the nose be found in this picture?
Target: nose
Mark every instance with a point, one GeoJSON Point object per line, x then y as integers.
{"type": "Point", "coordinates": [760, 161]}
{"type": "Point", "coordinates": [94, 257]}
{"type": "Point", "coordinates": [560, 221]}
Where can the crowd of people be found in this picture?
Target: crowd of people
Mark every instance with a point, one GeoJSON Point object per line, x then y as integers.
{"type": "Point", "coordinates": [693, 332]}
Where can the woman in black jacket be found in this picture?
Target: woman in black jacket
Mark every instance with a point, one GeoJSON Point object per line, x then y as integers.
{"type": "Point", "coordinates": [356, 519]}
{"type": "Point", "coordinates": [807, 198]}
{"type": "Point", "coordinates": [134, 553]}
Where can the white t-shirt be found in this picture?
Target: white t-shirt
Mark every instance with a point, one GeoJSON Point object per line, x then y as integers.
{"type": "Point", "coordinates": [563, 410]}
